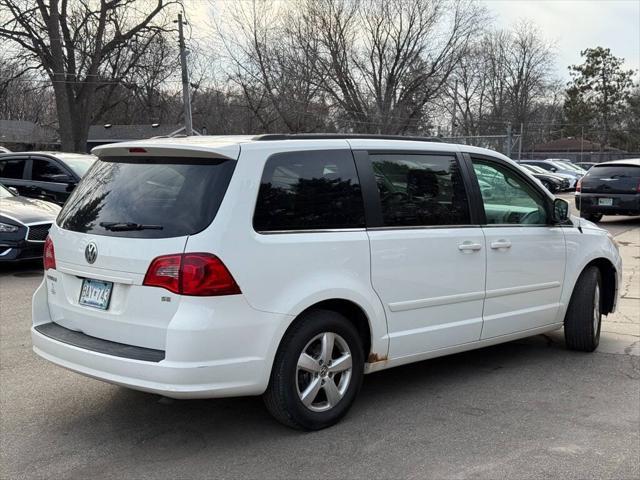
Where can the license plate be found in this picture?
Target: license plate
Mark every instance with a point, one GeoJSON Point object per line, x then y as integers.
{"type": "Point", "coordinates": [95, 293]}
{"type": "Point", "coordinates": [605, 202]}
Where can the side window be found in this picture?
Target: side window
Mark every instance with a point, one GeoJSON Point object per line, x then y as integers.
{"type": "Point", "coordinates": [47, 171]}
{"type": "Point", "coordinates": [12, 168]}
{"type": "Point", "coordinates": [309, 191]}
{"type": "Point", "coordinates": [508, 199]}
{"type": "Point", "coordinates": [420, 190]}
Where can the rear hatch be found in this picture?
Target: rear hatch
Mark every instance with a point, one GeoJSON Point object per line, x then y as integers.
{"type": "Point", "coordinates": [611, 178]}
{"type": "Point", "coordinates": [127, 211]}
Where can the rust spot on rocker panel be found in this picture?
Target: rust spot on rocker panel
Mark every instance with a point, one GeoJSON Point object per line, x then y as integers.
{"type": "Point", "coordinates": [374, 357]}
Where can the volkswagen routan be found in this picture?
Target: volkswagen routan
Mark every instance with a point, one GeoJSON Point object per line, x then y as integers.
{"type": "Point", "coordinates": [289, 266]}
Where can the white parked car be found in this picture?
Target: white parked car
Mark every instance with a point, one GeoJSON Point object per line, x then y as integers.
{"type": "Point", "coordinates": [290, 266]}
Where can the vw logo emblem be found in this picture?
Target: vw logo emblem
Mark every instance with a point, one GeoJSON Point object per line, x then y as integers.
{"type": "Point", "coordinates": [91, 252]}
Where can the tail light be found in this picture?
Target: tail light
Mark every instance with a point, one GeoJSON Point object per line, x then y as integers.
{"type": "Point", "coordinates": [49, 255]}
{"type": "Point", "coordinates": [579, 185]}
{"type": "Point", "coordinates": [195, 274]}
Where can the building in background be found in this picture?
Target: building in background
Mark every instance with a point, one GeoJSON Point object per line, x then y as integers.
{"type": "Point", "coordinates": [22, 135]}
{"type": "Point", "coordinates": [577, 149]}
{"type": "Point", "coordinates": [101, 134]}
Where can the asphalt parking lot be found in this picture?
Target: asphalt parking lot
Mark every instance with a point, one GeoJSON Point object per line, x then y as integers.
{"type": "Point", "coordinates": [526, 409]}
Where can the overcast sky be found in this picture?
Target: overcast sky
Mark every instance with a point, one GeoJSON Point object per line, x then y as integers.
{"type": "Point", "coordinates": [578, 24]}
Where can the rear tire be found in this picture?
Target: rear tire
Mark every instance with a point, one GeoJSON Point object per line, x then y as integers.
{"type": "Point", "coordinates": [593, 217]}
{"type": "Point", "coordinates": [583, 320]}
{"type": "Point", "coordinates": [310, 388]}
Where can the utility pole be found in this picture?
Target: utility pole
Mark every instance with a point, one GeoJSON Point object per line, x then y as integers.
{"type": "Point", "coordinates": [455, 102]}
{"type": "Point", "coordinates": [508, 141]}
{"type": "Point", "coordinates": [520, 143]}
{"type": "Point", "coordinates": [186, 97]}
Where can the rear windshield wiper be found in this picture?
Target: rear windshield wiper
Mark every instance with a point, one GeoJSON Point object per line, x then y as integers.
{"type": "Point", "coordinates": [127, 226]}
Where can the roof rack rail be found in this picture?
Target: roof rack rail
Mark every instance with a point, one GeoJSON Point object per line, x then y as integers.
{"type": "Point", "coordinates": [340, 136]}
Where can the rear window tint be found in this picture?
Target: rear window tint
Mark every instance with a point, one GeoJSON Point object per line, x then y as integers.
{"type": "Point", "coordinates": [180, 195]}
{"type": "Point", "coordinates": [309, 191]}
{"type": "Point", "coordinates": [48, 171]}
{"type": "Point", "coordinates": [614, 171]}
{"type": "Point", "coordinates": [12, 168]}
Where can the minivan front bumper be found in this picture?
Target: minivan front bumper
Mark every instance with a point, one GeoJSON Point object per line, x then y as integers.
{"type": "Point", "coordinates": [239, 362]}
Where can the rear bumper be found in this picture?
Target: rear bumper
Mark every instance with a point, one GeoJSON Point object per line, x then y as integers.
{"type": "Point", "coordinates": [623, 204]}
{"type": "Point", "coordinates": [199, 362]}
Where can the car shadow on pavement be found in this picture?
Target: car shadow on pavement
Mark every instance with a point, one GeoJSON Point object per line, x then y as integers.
{"type": "Point", "coordinates": [150, 420]}
{"type": "Point", "coordinates": [410, 415]}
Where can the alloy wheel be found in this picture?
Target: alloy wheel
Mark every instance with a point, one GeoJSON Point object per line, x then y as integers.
{"type": "Point", "coordinates": [323, 372]}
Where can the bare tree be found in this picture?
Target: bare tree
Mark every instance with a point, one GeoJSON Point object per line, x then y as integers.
{"type": "Point", "coordinates": [505, 77]}
{"type": "Point", "coordinates": [143, 93]}
{"type": "Point", "coordinates": [273, 54]}
{"type": "Point", "coordinates": [466, 97]}
{"type": "Point", "coordinates": [383, 62]}
{"type": "Point", "coordinates": [367, 65]}
{"type": "Point", "coordinates": [24, 95]}
{"type": "Point", "coordinates": [530, 60]}
{"type": "Point", "coordinates": [82, 46]}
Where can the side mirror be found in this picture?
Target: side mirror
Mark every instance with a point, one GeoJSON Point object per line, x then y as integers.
{"type": "Point", "coordinates": [13, 190]}
{"type": "Point", "coordinates": [554, 169]}
{"type": "Point", "coordinates": [560, 210]}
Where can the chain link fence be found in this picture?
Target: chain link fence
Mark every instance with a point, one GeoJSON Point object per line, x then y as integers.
{"type": "Point", "coordinates": [509, 145]}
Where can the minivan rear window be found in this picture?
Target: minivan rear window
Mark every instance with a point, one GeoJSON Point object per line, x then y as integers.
{"type": "Point", "coordinates": [147, 197]}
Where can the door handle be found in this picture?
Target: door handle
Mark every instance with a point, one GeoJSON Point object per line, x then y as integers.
{"type": "Point", "coordinates": [501, 244]}
{"type": "Point", "coordinates": [469, 247]}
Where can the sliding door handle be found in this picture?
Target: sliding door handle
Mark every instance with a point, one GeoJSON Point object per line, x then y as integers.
{"type": "Point", "coordinates": [501, 244]}
{"type": "Point", "coordinates": [469, 247]}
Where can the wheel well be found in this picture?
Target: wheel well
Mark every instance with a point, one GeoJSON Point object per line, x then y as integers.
{"type": "Point", "coordinates": [352, 312]}
{"type": "Point", "coordinates": [608, 275]}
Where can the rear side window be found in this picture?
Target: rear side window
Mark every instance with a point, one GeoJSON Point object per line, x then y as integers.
{"type": "Point", "coordinates": [420, 190]}
{"type": "Point", "coordinates": [310, 190]}
{"type": "Point", "coordinates": [48, 171]}
{"type": "Point", "coordinates": [163, 196]}
{"type": "Point", "coordinates": [12, 169]}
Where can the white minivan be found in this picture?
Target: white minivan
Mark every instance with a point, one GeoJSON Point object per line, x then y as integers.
{"type": "Point", "coordinates": [290, 265]}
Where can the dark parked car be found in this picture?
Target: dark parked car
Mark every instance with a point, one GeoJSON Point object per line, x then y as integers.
{"type": "Point", "coordinates": [50, 176]}
{"type": "Point", "coordinates": [24, 225]}
{"type": "Point", "coordinates": [556, 168]}
{"type": "Point", "coordinates": [585, 165]}
{"type": "Point", "coordinates": [553, 183]}
{"type": "Point", "coordinates": [610, 188]}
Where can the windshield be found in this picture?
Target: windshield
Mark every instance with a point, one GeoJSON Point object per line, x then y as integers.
{"type": "Point", "coordinates": [147, 197]}
{"type": "Point", "coordinates": [568, 165]}
{"type": "Point", "coordinates": [4, 192]}
{"type": "Point", "coordinates": [535, 169]}
{"type": "Point", "coordinates": [80, 164]}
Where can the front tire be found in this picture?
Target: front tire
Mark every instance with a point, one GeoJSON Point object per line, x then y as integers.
{"type": "Point", "coordinates": [583, 321]}
{"type": "Point", "coordinates": [317, 372]}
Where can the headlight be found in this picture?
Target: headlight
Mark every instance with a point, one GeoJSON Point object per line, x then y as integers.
{"type": "Point", "coordinates": [6, 228]}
